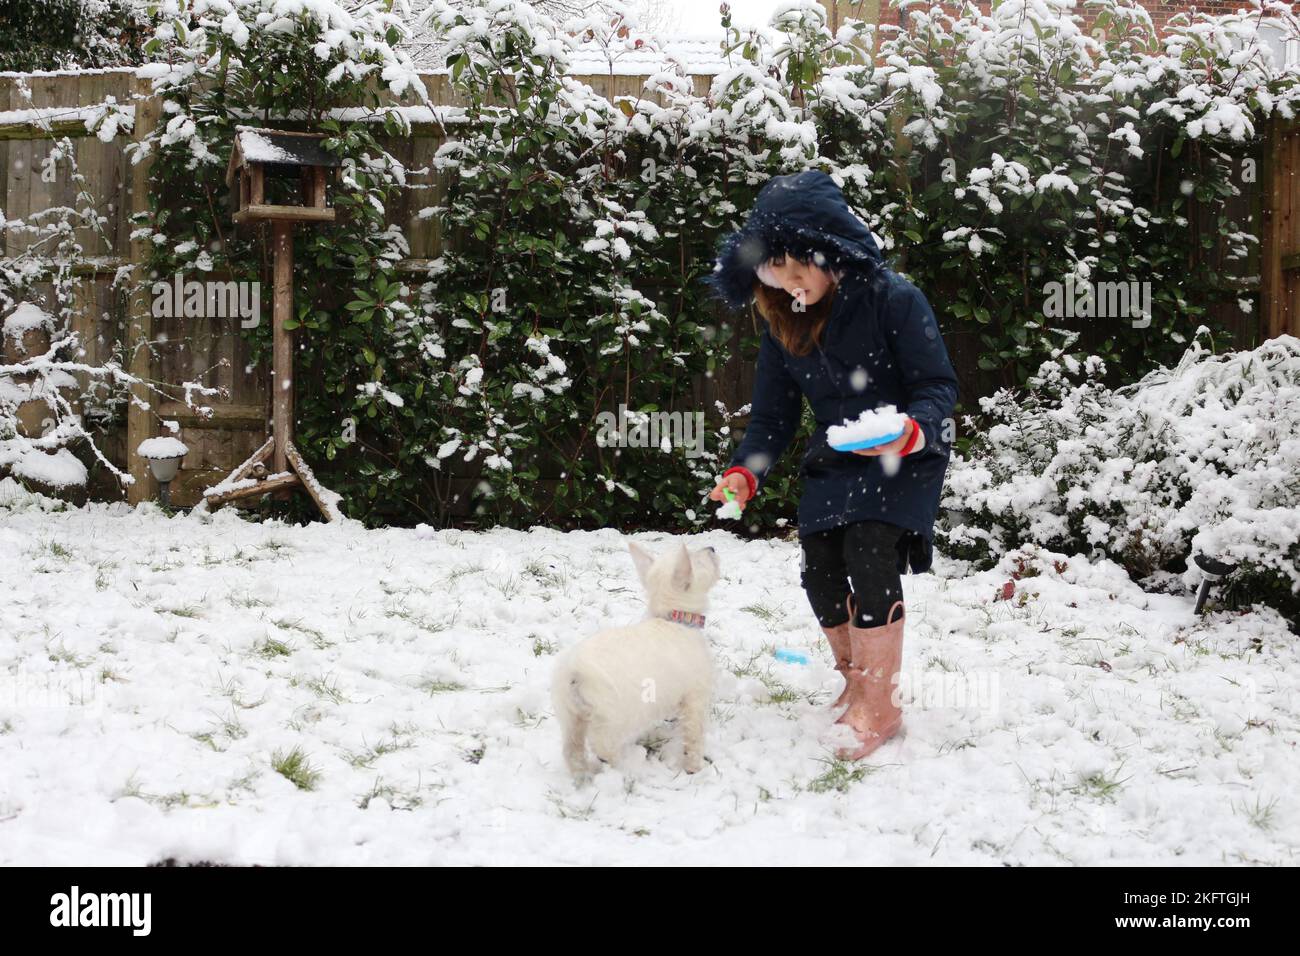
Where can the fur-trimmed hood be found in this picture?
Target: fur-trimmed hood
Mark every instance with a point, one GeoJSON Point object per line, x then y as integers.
{"type": "Point", "coordinates": [800, 214]}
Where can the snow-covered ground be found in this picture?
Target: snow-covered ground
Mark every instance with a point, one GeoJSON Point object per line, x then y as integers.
{"type": "Point", "coordinates": [153, 670]}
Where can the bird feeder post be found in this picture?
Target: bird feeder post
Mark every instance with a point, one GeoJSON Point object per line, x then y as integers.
{"type": "Point", "coordinates": [260, 156]}
{"type": "Point", "coordinates": [282, 404]}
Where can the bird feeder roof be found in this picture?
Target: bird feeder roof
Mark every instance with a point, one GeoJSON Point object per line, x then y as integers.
{"type": "Point", "coordinates": [275, 147]}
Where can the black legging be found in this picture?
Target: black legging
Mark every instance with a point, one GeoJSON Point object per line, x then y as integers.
{"type": "Point", "coordinates": [864, 554]}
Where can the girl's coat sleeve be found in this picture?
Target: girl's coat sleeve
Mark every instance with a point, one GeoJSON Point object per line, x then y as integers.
{"type": "Point", "coordinates": [775, 411]}
{"type": "Point", "coordinates": [928, 376]}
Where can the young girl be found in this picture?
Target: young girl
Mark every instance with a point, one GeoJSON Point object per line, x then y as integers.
{"type": "Point", "coordinates": [849, 334]}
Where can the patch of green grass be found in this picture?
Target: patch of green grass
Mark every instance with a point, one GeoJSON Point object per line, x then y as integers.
{"type": "Point", "coordinates": [553, 574]}
{"type": "Point", "coordinates": [1260, 814]}
{"type": "Point", "coordinates": [950, 746]}
{"type": "Point", "coordinates": [1102, 785]}
{"type": "Point", "coordinates": [397, 799]}
{"type": "Point", "coordinates": [433, 686]}
{"type": "Point", "coordinates": [510, 587]}
{"type": "Point", "coordinates": [526, 718]}
{"type": "Point", "coordinates": [327, 688]}
{"type": "Point", "coordinates": [362, 759]}
{"type": "Point", "coordinates": [943, 664]}
{"type": "Point", "coordinates": [542, 646]}
{"type": "Point", "coordinates": [166, 564]}
{"type": "Point", "coordinates": [1181, 707]}
{"type": "Point", "coordinates": [456, 573]}
{"type": "Point", "coordinates": [778, 691]}
{"type": "Point", "coordinates": [186, 611]}
{"type": "Point", "coordinates": [167, 801]}
{"type": "Point", "coordinates": [272, 648]}
{"type": "Point", "coordinates": [246, 781]}
{"type": "Point", "coordinates": [102, 577]}
{"type": "Point", "coordinates": [568, 811]}
{"type": "Point", "coordinates": [56, 550]}
{"type": "Point", "coordinates": [839, 776]}
{"type": "Point", "coordinates": [62, 655]}
{"type": "Point", "coordinates": [228, 727]}
{"type": "Point", "coordinates": [316, 636]}
{"type": "Point", "coordinates": [765, 613]}
{"type": "Point", "coordinates": [418, 620]}
{"type": "Point", "coordinates": [295, 768]}
{"type": "Point", "coordinates": [237, 698]}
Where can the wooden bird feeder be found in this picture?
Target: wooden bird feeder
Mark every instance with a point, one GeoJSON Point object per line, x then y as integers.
{"type": "Point", "coordinates": [263, 157]}
{"type": "Point", "coordinates": [260, 160]}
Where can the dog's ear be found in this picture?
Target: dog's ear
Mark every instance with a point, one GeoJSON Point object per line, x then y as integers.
{"type": "Point", "coordinates": [641, 558]}
{"type": "Point", "coordinates": [682, 569]}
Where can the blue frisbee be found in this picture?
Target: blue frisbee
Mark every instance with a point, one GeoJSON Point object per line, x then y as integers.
{"type": "Point", "coordinates": [789, 656]}
{"type": "Point", "coordinates": [869, 442]}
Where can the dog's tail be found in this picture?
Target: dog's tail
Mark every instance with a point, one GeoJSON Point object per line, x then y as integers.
{"type": "Point", "coordinates": [566, 689]}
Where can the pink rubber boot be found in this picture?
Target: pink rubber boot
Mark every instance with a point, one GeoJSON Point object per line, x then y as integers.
{"type": "Point", "coordinates": [872, 713]}
{"type": "Point", "coordinates": [842, 648]}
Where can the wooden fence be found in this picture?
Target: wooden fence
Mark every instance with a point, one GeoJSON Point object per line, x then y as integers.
{"type": "Point", "coordinates": [175, 350]}
{"type": "Point", "coordinates": [187, 349]}
{"type": "Point", "coordinates": [1280, 231]}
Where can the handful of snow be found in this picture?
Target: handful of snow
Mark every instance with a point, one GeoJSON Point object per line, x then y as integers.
{"type": "Point", "coordinates": [162, 447]}
{"type": "Point", "coordinates": [732, 508]}
{"type": "Point", "coordinates": [875, 426]}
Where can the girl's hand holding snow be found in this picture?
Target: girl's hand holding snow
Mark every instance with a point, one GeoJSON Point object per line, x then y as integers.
{"type": "Point", "coordinates": [895, 447]}
{"type": "Point", "coordinates": [734, 482]}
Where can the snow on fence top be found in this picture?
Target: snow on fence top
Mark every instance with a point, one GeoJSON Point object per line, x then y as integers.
{"type": "Point", "coordinates": [113, 114]}
{"type": "Point", "coordinates": [694, 55]}
{"type": "Point", "coordinates": [699, 55]}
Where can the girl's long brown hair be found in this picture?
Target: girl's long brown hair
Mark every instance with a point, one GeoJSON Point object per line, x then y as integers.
{"type": "Point", "coordinates": [797, 332]}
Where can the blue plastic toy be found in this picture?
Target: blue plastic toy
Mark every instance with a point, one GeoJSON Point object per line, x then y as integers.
{"type": "Point", "coordinates": [869, 442]}
{"type": "Point", "coordinates": [790, 657]}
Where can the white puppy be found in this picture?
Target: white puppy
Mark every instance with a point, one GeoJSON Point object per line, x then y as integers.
{"type": "Point", "coordinates": [614, 686]}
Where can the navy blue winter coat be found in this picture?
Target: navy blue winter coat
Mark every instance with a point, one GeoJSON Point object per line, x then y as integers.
{"type": "Point", "coordinates": [881, 324]}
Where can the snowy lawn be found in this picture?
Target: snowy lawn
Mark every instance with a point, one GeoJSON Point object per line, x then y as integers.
{"type": "Point", "coordinates": [158, 671]}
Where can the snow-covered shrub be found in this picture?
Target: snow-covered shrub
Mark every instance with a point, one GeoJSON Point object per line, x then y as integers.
{"type": "Point", "coordinates": [67, 34]}
{"type": "Point", "coordinates": [993, 152]}
{"type": "Point", "coordinates": [320, 65]}
{"type": "Point", "coordinates": [1033, 152]}
{"type": "Point", "coordinates": [1200, 458]}
{"type": "Point", "coordinates": [53, 401]}
{"type": "Point", "coordinates": [578, 230]}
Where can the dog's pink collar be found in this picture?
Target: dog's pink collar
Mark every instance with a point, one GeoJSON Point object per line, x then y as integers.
{"type": "Point", "coordinates": [689, 618]}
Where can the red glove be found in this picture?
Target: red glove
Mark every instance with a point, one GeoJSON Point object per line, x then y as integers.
{"type": "Point", "coordinates": [916, 441]}
{"type": "Point", "coordinates": [749, 478]}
